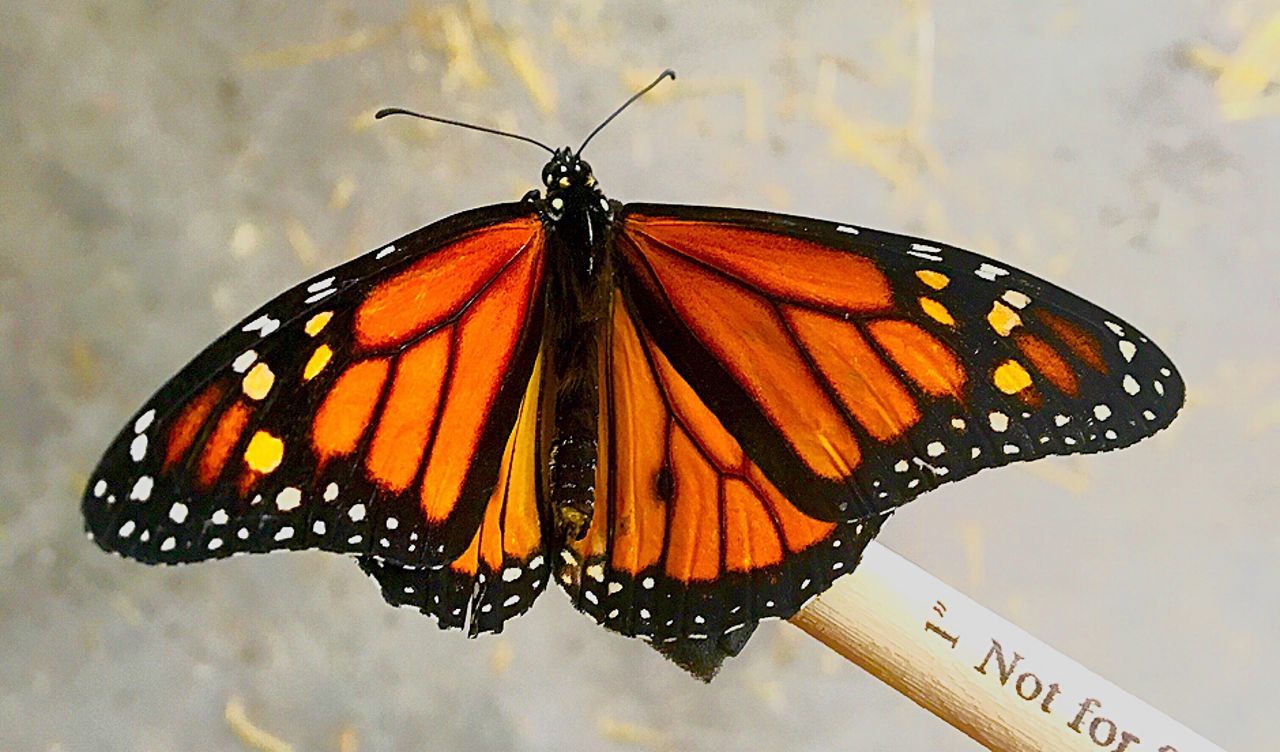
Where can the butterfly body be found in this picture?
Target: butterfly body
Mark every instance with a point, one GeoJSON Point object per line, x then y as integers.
{"type": "Point", "coordinates": [693, 418]}
{"type": "Point", "coordinates": [576, 215]}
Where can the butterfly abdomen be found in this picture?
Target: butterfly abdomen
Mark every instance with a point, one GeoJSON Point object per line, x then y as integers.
{"type": "Point", "coordinates": [580, 288]}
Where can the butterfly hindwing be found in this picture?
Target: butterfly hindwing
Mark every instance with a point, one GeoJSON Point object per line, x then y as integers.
{"type": "Point", "coordinates": [504, 569]}
{"type": "Point", "coordinates": [367, 411]}
{"type": "Point", "coordinates": [689, 540]}
{"type": "Point", "coordinates": [860, 369]}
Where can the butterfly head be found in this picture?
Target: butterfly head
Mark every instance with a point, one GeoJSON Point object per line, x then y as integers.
{"type": "Point", "coordinates": [567, 172]}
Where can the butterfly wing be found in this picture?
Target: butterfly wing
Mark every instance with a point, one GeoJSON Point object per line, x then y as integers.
{"type": "Point", "coordinates": [861, 368]}
{"type": "Point", "coordinates": [503, 570]}
{"type": "Point", "coordinates": [373, 411]}
{"type": "Point", "coordinates": [689, 542]}
{"type": "Point", "coordinates": [776, 385]}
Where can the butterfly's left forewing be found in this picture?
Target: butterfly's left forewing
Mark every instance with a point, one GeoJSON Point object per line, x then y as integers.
{"type": "Point", "coordinates": [374, 410]}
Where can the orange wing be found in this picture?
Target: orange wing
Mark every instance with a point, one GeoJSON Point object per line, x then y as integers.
{"type": "Point", "coordinates": [859, 369]}
{"type": "Point", "coordinates": [689, 539]}
{"type": "Point", "coordinates": [373, 411]}
{"type": "Point", "coordinates": [503, 570]}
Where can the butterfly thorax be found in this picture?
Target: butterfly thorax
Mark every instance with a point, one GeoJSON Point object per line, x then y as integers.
{"type": "Point", "coordinates": [579, 285]}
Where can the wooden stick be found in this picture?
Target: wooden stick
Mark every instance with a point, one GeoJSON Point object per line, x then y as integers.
{"type": "Point", "coordinates": [976, 671]}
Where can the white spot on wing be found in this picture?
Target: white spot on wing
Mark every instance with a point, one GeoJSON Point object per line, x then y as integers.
{"type": "Point", "coordinates": [169, 544]}
{"type": "Point", "coordinates": [178, 512]}
{"type": "Point", "coordinates": [990, 272]}
{"type": "Point", "coordinates": [356, 513]}
{"type": "Point", "coordinates": [1015, 298]}
{"type": "Point", "coordinates": [285, 533]}
{"type": "Point", "coordinates": [320, 295]}
{"type": "Point", "coordinates": [138, 447]}
{"type": "Point", "coordinates": [1127, 349]}
{"type": "Point", "coordinates": [385, 251]}
{"type": "Point", "coordinates": [1113, 326]}
{"type": "Point", "coordinates": [99, 488]}
{"type": "Point", "coordinates": [926, 252]}
{"type": "Point", "coordinates": [1101, 412]}
{"type": "Point", "coordinates": [847, 230]}
{"type": "Point", "coordinates": [999, 422]}
{"type": "Point", "coordinates": [141, 490]}
{"type": "Point", "coordinates": [264, 325]}
{"type": "Point", "coordinates": [1131, 384]}
{"type": "Point", "coordinates": [288, 498]}
{"type": "Point", "coordinates": [320, 285]}
{"type": "Point", "coordinates": [144, 421]}
{"type": "Point", "coordinates": [331, 492]}
{"type": "Point", "coordinates": [219, 517]}
{"type": "Point", "coordinates": [243, 361]}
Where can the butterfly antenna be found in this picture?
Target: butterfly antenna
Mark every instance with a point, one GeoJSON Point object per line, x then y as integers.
{"type": "Point", "coordinates": [668, 73]}
{"type": "Point", "coordinates": [398, 111]}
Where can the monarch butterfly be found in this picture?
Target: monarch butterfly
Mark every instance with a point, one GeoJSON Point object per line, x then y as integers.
{"type": "Point", "coordinates": [691, 418]}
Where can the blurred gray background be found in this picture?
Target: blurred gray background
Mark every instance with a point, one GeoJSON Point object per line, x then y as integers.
{"type": "Point", "coordinates": [166, 166]}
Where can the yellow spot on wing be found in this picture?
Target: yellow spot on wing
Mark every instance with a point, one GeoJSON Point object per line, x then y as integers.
{"type": "Point", "coordinates": [319, 359]}
{"type": "Point", "coordinates": [258, 381]}
{"type": "Point", "coordinates": [264, 452]}
{"type": "Point", "coordinates": [317, 322]}
{"type": "Point", "coordinates": [936, 280]}
{"type": "Point", "coordinates": [937, 311]}
{"type": "Point", "coordinates": [1003, 319]}
{"type": "Point", "coordinates": [1010, 377]}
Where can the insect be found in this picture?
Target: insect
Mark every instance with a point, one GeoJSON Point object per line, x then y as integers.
{"type": "Point", "coordinates": [690, 418]}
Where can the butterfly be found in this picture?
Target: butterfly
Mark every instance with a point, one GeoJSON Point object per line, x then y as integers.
{"type": "Point", "coordinates": [691, 418]}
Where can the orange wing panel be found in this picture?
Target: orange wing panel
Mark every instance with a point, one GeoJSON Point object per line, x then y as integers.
{"type": "Point", "coordinates": [405, 426]}
{"type": "Point", "coordinates": [487, 338]}
{"type": "Point", "coordinates": [785, 267]}
{"type": "Point", "coordinates": [1048, 362]}
{"type": "Point", "coordinates": [511, 530]}
{"type": "Point", "coordinates": [741, 329]}
{"type": "Point", "coordinates": [639, 417]}
{"type": "Point", "coordinates": [438, 286]}
{"type": "Point", "coordinates": [217, 450]}
{"type": "Point", "coordinates": [864, 383]}
{"type": "Point", "coordinates": [1083, 344]}
{"type": "Point", "coordinates": [694, 541]}
{"type": "Point", "coordinates": [189, 422]}
{"type": "Point", "coordinates": [347, 409]}
{"type": "Point", "coordinates": [751, 540]}
{"type": "Point", "coordinates": [799, 529]}
{"type": "Point", "coordinates": [684, 495]}
{"type": "Point", "coordinates": [928, 362]}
